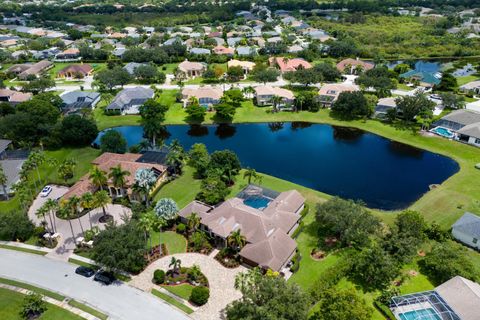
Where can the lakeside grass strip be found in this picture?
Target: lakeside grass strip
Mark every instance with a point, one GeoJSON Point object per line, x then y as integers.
{"type": "Point", "coordinates": [38, 290]}
{"type": "Point", "coordinates": [172, 301]}
{"type": "Point", "coordinates": [88, 309]}
{"type": "Point", "coordinates": [6, 246]}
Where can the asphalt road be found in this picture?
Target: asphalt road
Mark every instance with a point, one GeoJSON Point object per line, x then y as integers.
{"type": "Point", "coordinates": [119, 301]}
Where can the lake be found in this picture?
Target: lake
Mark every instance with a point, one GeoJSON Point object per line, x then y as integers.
{"type": "Point", "coordinates": [340, 161]}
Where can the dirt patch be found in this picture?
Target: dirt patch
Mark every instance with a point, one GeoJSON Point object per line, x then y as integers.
{"type": "Point", "coordinates": [421, 253]}
{"type": "Point", "coordinates": [318, 254]}
{"type": "Point", "coordinates": [413, 273]}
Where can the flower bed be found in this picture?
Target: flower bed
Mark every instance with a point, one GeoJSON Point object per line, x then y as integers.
{"type": "Point", "coordinates": [155, 253]}
{"type": "Point", "coordinates": [186, 275]}
{"type": "Point", "coordinates": [228, 258]}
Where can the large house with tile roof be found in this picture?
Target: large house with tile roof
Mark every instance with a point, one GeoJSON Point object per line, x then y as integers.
{"type": "Point", "coordinates": [267, 229]}
{"type": "Point", "coordinates": [131, 162]}
{"type": "Point", "coordinates": [288, 65]}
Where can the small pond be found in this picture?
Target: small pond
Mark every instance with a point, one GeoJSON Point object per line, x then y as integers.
{"type": "Point", "coordinates": [340, 161]}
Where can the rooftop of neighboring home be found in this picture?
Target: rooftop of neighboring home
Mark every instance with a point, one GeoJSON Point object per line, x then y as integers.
{"type": "Point", "coordinates": [246, 51]}
{"type": "Point", "coordinates": [191, 66]}
{"type": "Point", "coordinates": [266, 231]}
{"type": "Point", "coordinates": [131, 66]}
{"type": "Point", "coordinates": [14, 97]}
{"type": "Point", "coordinates": [4, 144]}
{"type": "Point", "coordinates": [84, 69]}
{"type": "Point", "coordinates": [24, 70]}
{"type": "Point", "coordinates": [471, 85]}
{"type": "Point", "coordinates": [274, 91]}
{"type": "Point", "coordinates": [199, 51]}
{"type": "Point", "coordinates": [422, 76]}
{"type": "Point", "coordinates": [455, 299]}
{"type": "Point", "coordinates": [239, 63]}
{"type": "Point", "coordinates": [223, 50]}
{"type": "Point", "coordinates": [79, 99]}
{"type": "Point", "coordinates": [129, 95]}
{"type": "Point", "coordinates": [334, 89]}
{"type": "Point", "coordinates": [71, 51]}
{"type": "Point", "coordinates": [469, 224]}
{"type": "Point", "coordinates": [286, 64]}
{"type": "Point", "coordinates": [462, 117]}
{"type": "Point", "coordinates": [353, 63]}
{"type": "Point", "coordinates": [203, 92]}
{"type": "Point", "coordinates": [471, 130]}
{"type": "Point", "coordinates": [106, 161]}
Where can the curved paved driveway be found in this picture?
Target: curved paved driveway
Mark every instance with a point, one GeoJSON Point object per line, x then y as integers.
{"type": "Point", "coordinates": [119, 301]}
{"type": "Point", "coordinates": [221, 281]}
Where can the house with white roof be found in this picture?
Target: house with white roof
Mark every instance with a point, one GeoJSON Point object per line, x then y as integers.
{"type": "Point", "coordinates": [467, 230]}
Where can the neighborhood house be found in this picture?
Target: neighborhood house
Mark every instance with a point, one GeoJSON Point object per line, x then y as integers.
{"type": "Point", "coordinates": [288, 65]}
{"type": "Point", "coordinates": [266, 227]}
{"type": "Point", "coordinates": [206, 96]}
{"type": "Point", "coordinates": [129, 100]}
{"type": "Point", "coordinates": [329, 93]}
{"type": "Point", "coordinates": [462, 125]}
{"type": "Point", "coordinates": [78, 71]}
{"type": "Point", "coordinates": [264, 96]}
{"type": "Point", "coordinates": [191, 69]}
{"type": "Point", "coordinates": [13, 97]}
{"type": "Point", "coordinates": [467, 230]}
{"type": "Point", "coordinates": [74, 101]}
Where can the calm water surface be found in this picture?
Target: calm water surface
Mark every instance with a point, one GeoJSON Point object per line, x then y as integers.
{"type": "Point", "coordinates": [339, 161]}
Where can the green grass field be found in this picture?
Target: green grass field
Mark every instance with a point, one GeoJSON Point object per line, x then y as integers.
{"type": "Point", "coordinates": [11, 304]}
{"type": "Point", "coordinates": [5, 246]}
{"type": "Point", "coordinates": [172, 301]}
{"type": "Point", "coordinates": [27, 286]}
{"type": "Point", "coordinates": [175, 242]}
{"type": "Point", "coordinates": [88, 309]}
{"type": "Point", "coordinates": [183, 290]}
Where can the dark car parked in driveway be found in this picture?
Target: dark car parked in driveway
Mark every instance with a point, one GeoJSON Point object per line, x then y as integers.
{"type": "Point", "coordinates": [104, 277]}
{"type": "Point", "coordinates": [85, 271]}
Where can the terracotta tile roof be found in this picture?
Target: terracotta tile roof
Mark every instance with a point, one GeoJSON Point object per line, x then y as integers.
{"type": "Point", "coordinates": [84, 69]}
{"type": "Point", "coordinates": [274, 91]}
{"type": "Point", "coordinates": [13, 96]}
{"type": "Point", "coordinates": [223, 50]}
{"type": "Point", "coordinates": [189, 65]}
{"type": "Point", "coordinates": [287, 65]}
{"type": "Point", "coordinates": [353, 63]}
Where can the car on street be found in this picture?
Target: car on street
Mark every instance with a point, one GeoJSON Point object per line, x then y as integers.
{"type": "Point", "coordinates": [104, 277]}
{"type": "Point", "coordinates": [45, 191]}
{"type": "Point", "coordinates": [85, 271]}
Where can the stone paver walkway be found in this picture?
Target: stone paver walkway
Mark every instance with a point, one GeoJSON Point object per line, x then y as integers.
{"type": "Point", "coordinates": [60, 304]}
{"type": "Point", "coordinates": [220, 279]}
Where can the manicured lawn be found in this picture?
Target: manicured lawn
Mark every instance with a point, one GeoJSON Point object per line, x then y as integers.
{"type": "Point", "coordinates": [466, 79]}
{"type": "Point", "coordinates": [172, 301]}
{"type": "Point", "coordinates": [5, 246]}
{"type": "Point", "coordinates": [183, 190]}
{"type": "Point", "coordinates": [11, 304]}
{"type": "Point", "coordinates": [41, 291]}
{"type": "Point", "coordinates": [169, 68]}
{"type": "Point", "coordinates": [183, 290]}
{"type": "Point", "coordinates": [176, 243]}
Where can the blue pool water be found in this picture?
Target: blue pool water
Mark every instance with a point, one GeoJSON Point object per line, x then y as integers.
{"type": "Point", "coordinates": [345, 162]}
{"type": "Point", "coordinates": [443, 132]}
{"type": "Point", "coordinates": [422, 314]}
{"type": "Point", "coordinates": [257, 202]}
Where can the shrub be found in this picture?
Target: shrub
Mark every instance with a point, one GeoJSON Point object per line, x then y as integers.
{"type": "Point", "coordinates": [33, 306]}
{"type": "Point", "coordinates": [159, 276]}
{"type": "Point", "coordinates": [200, 295]}
{"type": "Point", "coordinates": [181, 228]}
{"type": "Point", "coordinates": [15, 226]}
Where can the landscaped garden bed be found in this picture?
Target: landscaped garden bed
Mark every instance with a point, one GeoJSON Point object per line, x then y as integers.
{"type": "Point", "coordinates": [199, 242]}
{"type": "Point", "coordinates": [156, 252]}
{"type": "Point", "coordinates": [228, 258]}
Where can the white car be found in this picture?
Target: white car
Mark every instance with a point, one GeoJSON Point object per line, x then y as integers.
{"type": "Point", "coordinates": [45, 191]}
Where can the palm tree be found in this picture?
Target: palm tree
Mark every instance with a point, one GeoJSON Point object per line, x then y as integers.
{"type": "Point", "coordinates": [146, 222]}
{"type": "Point", "coordinates": [300, 101]}
{"type": "Point", "coordinates": [66, 169]}
{"type": "Point", "coordinates": [117, 174]}
{"type": "Point", "coordinates": [52, 207]}
{"type": "Point", "coordinates": [3, 182]}
{"type": "Point", "coordinates": [42, 213]}
{"type": "Point", "coordinates": [98, 177]}
{"type": "Point", "coordinates": [101, 200]}
{"type": "Point", "coordinates": [174, 160]}
{"type": "Point", "coordinates": [175, 264]}
{"type": "Point", "coordinates": [87, 202]}
{"type": "Point", "coordinates": [276, 100]}
{"type": "Point", "coordinates": [193, 222]}
{"type": "Point", "coordinates": [73, 204]}
{"type": "Point", "coordinates": [236, 240]}
{"type": "Point", "coordinates": [251, 174]}
{"type": "Point", "coordinates": [36, 158]}
{"type": "Point", "coordinates": [65, 213]}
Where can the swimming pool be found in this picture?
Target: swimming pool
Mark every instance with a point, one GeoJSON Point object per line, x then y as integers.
{"type": "Point", "coordinates": [443, 132]}
{"type": "Point", "coordinates": [257, 202]}
{"type": "Point", "coordinates": [422, 314]}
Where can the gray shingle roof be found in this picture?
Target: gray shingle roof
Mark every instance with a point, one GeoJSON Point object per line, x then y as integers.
{"type": "Point", "coordinates": [4, 144]}
{"type": "Point", "coordinates": [123, 99]}
{"type": "Point", "coordinates": [469, 224]}
{"type": "Point", "coordinates": [79, 99]}
{"type": "Point", "coordinates": [464, 117]}
{"type": "Point", "coordinates": [471, 130]}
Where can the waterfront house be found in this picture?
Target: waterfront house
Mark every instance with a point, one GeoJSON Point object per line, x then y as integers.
{"type": "Point", "coordinates": [131, 162]}
{"type": "Point", "coordinates": [264, 96]}
{"type": "Point", "coordinates": [465, 124]}
{"type": "Point", "coordinates": [329, 93]}
{"type": "Point", "coordinates": [423, 78]}
{"type": "Point", "coordinates": [383, 106]}
{"type": "Point", "coordinates": [74, 101]}
{"type": "Point", "coordinates": [267, 229]}
{"type": "Point", "coordinates": [206, 96]}
{"type": "Point", "coordinates": [471, 87]}
{"type": "Point", "coordinates": [129, 100]}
